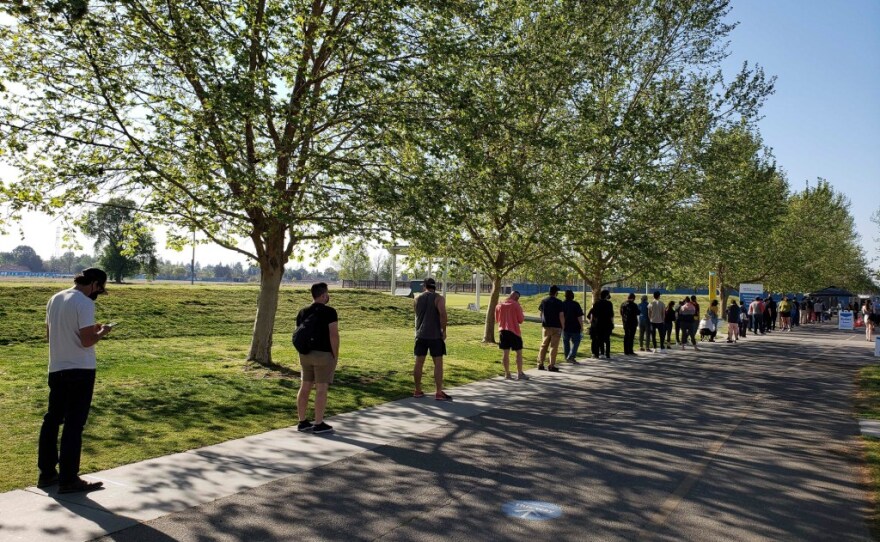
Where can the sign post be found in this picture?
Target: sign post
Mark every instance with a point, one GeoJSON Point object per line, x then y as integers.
{"type": "Point", "coordinates": [713, 286]}
{"type": "Point", "coordinates": [845, 320]}
{"type": "Point", "coordinates": [748, 292]}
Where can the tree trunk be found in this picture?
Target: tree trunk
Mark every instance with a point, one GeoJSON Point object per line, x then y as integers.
{"type": "Point", "coordinates": [595, 288]}
{"type": "Point", "coordinates": [271, 273]}
{"type": "Point", "coordinates": [489, 331]}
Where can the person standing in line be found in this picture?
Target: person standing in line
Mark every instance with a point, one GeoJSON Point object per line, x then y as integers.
{"type": "Point", "coordinates": [743, 319]}
{"type": "Point", "coordinates": [811, 310]}
{"type": "Point", "coordinates": [733, 322]}
{"type": "Point", "coordinates": [785, 314]}
{"type": "Point", "coordinates": [678, 320]}
{"type": "Point", "coordinates": [319, 364]}
{"type": "Point", "coordinates": [552, 323]}
{"type": "Point", "coordinates": [795, 313]}
{"type": "Point", "coordinates": [574, 327]}
{"type": "Point", "coordinates": [657, 315]}
{"type": "Point", "coordinates": [756, 312]}
{"type": "Point", "coordinates": [772, 310]}
{"type": "Point", "coordinates": [431, 320]}
{"type": "Point", "coordinates": [712, 316]}
{"type": "Point", "coordinates": [687, 316]}
{"type": "Point", "coordinates": [644, 325]}
{"type": "Point", "coordinates": [509, 315]}
{"type": "Point", "coordinates": [72, 334]}
{"type": "Point", "coordinates": [695, 326]}
{"type": "Point", "coordinates": [819, 311]}
{"type": "Point", "coordinates": [669, 321]}
{"type": "Point", "coordinates": [629, 315]}
{"type": "Point", "coordinates": [603, 316]}
{"type": "Point", "coordinates": [766, 315]}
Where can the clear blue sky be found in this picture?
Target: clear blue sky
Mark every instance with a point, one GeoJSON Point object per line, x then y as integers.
{"type": "Point", "coordinates": [824, 119]}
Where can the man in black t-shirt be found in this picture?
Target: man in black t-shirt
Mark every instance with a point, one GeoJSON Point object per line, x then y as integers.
{"type": "Point", "coordinates": [629, 314]}
{"type": "Point", "coordinates": [574, 327]}
{"type": "Point", "coordinates": [552, 321]}
{"type": "Point", "coordinates": [319, 364]}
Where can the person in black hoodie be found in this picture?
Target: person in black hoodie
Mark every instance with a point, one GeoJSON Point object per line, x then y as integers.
{"type": "Point", "coordinates": [603, 323]}
{"type": "Point", "coordinates": [629, 314]}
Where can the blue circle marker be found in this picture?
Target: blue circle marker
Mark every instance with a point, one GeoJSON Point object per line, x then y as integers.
{"type": "Point", "coordinates": [531, 510]}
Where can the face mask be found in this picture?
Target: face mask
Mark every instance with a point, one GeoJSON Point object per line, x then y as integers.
{"type": "Point", "coordinates": [94, 295]}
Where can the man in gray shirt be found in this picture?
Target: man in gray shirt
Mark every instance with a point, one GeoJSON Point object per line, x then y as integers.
{"type": "Point", "coordinates": [430, 337]}
{"type": "Point", "coordinates": [72, 333]}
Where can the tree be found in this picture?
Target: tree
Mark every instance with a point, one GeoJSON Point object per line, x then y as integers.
{"type": "Point", "coordinates": [739, 204]}
{"type": "Point", "coordinates": [817, 245]}
{"type": "Point", "coordinates": [26, 256]}
{"type": "Point", "coordinates": [353, 261]}
{"type": "Point", "coordinates": [252, 118]}
{"type": "Point", "coordinates": [484, 191]}
{"type": "Point", "coordinates": [125, 244]}
{"type": "Point", "coordinates": [650, 92]}
{"type": "Point", "coordinates": [381, 266]}
{"type": "Point", "coordinates": [875, 218]}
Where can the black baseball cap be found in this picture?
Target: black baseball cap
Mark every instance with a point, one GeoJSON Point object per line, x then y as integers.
{"type": "Point", "coordinates": [430, 283]}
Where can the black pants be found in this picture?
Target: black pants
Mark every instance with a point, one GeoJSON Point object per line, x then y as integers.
{"type": "Point", "coordinates": [757, 323]}
{"type": "Point", "coordinates": [772, 320]}
{"type": "Point", "coordinates": [661, 328]}
{"type": "Point", "coordinates": [70, 398]}
{"type": "Point", "coordinates": [677, 332]}
{"type": "Point", "coordinates": [629, 337]}
{"type": "Point", "coordinates": [605, 342]}
{"type": "Point", "coordinates": [667, 332]}
{"type": "Point", "coordinates": [688, 331]}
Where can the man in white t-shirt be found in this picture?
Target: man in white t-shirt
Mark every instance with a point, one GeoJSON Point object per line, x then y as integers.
{"type": "Point", "coordinates": [72, 334]}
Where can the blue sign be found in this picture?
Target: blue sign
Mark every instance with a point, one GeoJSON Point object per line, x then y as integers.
{"type": "Point", "coordinates": [532, 510]}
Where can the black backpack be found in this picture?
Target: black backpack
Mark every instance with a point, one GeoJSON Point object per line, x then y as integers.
{"type": "Point", "coordinates": [304, 334]}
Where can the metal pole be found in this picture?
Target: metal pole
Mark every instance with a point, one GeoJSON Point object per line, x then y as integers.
{"type": "Point", "coordinates": [393, 271]}
{"type": "Point", "coordinates": [445, 276]}
{"type": "Point", "coordinates": [192, 276]}
{"type": "Point", "coordinates": [478, 288]}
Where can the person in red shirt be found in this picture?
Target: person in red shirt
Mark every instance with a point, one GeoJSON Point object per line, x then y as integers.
{"type": "Point", "coordinates": [509, 315]}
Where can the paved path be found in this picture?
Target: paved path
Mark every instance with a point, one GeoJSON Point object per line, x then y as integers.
{"type": "Point", "coordinates": [754, 441]}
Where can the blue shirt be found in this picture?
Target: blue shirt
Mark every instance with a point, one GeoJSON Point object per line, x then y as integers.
{"type": "Point", "coordinates": [643, 312]}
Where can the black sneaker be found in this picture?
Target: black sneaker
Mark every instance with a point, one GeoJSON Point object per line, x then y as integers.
{"type": "Point", "coordinates": [321, 428]}
{"type": "Point", "coordinates": [541, 367]}
{"type": "Point", "coordinates": [80, 486]}
{"type": "Point", "coordinates": [553, 369]}
{"type": "Point", "coordinates": [46, 481]}
{"type": "Point", "coordinates": [304, 426]}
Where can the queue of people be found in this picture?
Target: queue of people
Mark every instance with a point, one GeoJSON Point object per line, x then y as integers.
{"type": "Point", "coordinates": [72, 333]}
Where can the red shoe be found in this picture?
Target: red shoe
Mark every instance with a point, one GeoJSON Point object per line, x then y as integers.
{"type": "Point", "coordinates": [442, 396]}
{"type": "Point", "coordinates": [418, 394]}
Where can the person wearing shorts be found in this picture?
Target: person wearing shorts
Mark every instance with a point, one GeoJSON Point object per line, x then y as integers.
{"type": "Point", "coordinates": [552, 323]}
{"type": "Point", "coordinates": [431, 320]}
{"type": "Point", "coordinates": [319, 364]}
{"type": "Point", "coordinates": [509, 315]}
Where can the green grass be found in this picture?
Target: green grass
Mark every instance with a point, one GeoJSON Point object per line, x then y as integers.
{"type": "Point", "coordinates": [868, 406]}
{"type": "Point", "coordinates": [173, 375]}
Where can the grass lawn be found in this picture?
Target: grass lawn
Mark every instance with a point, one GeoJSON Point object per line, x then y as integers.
{"type": "Point", "coordinates": [868, 406]}
{"type": "Point", "coordinates": [173, 375]}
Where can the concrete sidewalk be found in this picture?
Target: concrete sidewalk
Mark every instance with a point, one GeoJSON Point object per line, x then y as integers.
{"type": "Point", "coordinates": [625, 445]}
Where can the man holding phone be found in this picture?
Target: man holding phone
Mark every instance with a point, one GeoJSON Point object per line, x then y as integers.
{"type": "Point", "coordinates": [72, 334]}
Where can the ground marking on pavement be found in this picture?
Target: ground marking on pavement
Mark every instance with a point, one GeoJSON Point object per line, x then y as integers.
{"type": "Point", "coordinates": [531, 510]}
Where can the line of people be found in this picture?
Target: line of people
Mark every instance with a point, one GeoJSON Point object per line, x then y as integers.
{"type": "Point", "coordinates": [564, 321]}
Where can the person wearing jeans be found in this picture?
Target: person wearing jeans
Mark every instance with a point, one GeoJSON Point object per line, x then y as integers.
{"type": "Point", "coordinates": [574, 327]}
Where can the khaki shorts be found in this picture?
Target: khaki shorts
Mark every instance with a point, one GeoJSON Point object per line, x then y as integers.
{"type": "Point", "coordinates": [318, 367]}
